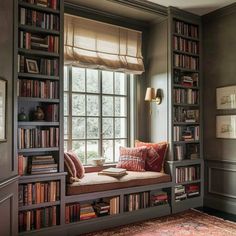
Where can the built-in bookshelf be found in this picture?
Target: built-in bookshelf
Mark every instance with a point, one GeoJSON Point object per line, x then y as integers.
{"type": "Point", "coordinates": [39, 87]}
{"type": "Point", "coordinates": [186, 133]}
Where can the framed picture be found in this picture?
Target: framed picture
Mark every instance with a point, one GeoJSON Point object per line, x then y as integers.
{"type": "Point", "coordinates": [32, 66]}
{"type": "Point", "coordinates": [226, 97]}
{"type": "Point", "coordinates": [3, 100]}
{"type": "Point", "coordinates": [226, 126]}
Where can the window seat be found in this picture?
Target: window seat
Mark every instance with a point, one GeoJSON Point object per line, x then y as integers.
{"type": "Point", "coordinates": [92, 182]}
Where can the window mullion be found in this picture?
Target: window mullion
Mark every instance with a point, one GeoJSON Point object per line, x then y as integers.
{"type": "Point", "coordinates": [101, 148]}
{"type": "Point", "coordinates": [114, 98]}
{"type": "Point", "coordinates": [86, 128]}
{"type": "Point", "coordinates": [70, 108]}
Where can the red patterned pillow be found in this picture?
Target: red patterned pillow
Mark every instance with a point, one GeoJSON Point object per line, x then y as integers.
{"type": "Point", "coordinates": [132, 158]}
{"type": "Point", "coordinates": [156, 153]}
{"type": "Point", "coordinates": [78, 164]}
{"type": "Point", "coordinates": [69, 166]}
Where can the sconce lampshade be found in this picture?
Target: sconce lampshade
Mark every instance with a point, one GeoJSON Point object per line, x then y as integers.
{"type": "Point", "coordinates": [150, 94]}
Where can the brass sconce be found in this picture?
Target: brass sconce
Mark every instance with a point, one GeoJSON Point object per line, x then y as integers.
{"type": "Point", "coordinates": [153, 95]}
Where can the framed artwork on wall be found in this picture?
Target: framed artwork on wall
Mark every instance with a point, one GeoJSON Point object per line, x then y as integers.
{"type": "Point", "coordinates": [3, 100]}
{"type": "Point", "coordinates": [226, 97]}
{"type": "Point", "coordinates": [226, 126]}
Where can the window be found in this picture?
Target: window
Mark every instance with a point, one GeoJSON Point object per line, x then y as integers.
{"type": "Point", "coordinates": [96, 112]}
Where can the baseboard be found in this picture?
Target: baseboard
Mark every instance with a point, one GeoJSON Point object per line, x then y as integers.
{"type": "Point", "coordinates": [220, 204]}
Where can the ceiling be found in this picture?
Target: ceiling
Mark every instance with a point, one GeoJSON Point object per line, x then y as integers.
{"type": "Point", "coordinates": [199, 7]}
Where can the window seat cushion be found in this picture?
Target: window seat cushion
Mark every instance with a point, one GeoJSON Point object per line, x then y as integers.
{"type": "Point", "coordinates": [92, 182]}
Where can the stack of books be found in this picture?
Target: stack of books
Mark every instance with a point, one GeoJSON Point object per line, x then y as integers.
{"type": "Point", "coordinates": [159, 198]}
{"type": "Point", "coordinates": [115, 172]}
{"type": "Point", "coordinates": [87, 212]}
{"type": "Point", "coordinates": [180, 193]}
{"type": "Point", "coordinates": [192, 190]}
{"type": "Point", "coordinates": [102, 208]}
{"type": "Point", "coordinates": [42, 165]}
{"type": "Point", "coordinates": [72, 213]}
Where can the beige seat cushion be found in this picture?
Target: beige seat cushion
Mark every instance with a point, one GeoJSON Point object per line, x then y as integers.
{"type": "Point", "coordinates": [92, 182]}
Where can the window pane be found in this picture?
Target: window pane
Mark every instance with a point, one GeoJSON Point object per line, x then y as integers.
{"type": "Point", "coordinates": [92, 105]}
{"type": "Point", "coordinates": [78, 105]}
{"type": "Point", "coordinates": [66, 145]}
{"type": "Point", "coordinates": [66, 104]}
{"type": "Point", "coordinates": [92, 81]}
{"type": "Point", "coordinates": [107, 127]}
{"type": "Point", "coordinates": [107, 82]}
{"type": "Point", "coordinates": [78, 79]}
{"type": "Point", "coordinates": [120, 83]}
{"type": "Point", "coordinates": [108, 150]}
{"type": "Point", "coordinates": [120, 106]}
{"type": "Point", "coordinates": [118, 144]}
{"type": "Point", "coordinates": [92, 128]}
{"type": "Point", "coordinates": [107, 106]}
{"type": "Point", "coordinates": [78, 128]}
{"type": "Point", "coordinates": [66, 134]}
{"type": "Point", "coordinates": [79, 148]}
{"type": "Point", "coordinates": [120, 127]}
{"type": "Point", "coordinates": [66, 79]}
{"type": "Point", "coordinates": [92, 150]}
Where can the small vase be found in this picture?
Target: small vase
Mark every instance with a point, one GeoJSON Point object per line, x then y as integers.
{"type": "Point", "coordinates": [39, 114]}
{"type": "Point", "coordinates": [22, 116]}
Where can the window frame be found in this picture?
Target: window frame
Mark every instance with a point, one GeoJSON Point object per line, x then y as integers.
{"type": "Point", "coordinates": [100, 116]}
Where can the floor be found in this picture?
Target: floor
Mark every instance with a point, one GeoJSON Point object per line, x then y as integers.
{"type": "Point", "coordinates": [220, 214]}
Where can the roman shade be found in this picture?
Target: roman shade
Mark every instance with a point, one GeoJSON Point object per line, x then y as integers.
{"type": "Point", "coordinates": [89, 43]}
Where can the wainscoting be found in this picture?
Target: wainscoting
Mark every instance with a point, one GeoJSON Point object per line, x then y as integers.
{"type": "Point", "coordinates": [220, 186]}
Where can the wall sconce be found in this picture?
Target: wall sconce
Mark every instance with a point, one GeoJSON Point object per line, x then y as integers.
{"type": "Point", "coordinates": [153, 95]}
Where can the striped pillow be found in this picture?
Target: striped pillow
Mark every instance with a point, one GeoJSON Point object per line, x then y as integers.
{"type": "Point", "coordinates": [77, 163]}
{"type": "Point", "coordinates": [132, 158]}
{"type": "Point", "coordinates": [69, 166]}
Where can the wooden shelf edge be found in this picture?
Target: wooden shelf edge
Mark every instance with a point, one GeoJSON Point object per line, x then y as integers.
{"type": "Point", "coordinates": [39, 205]}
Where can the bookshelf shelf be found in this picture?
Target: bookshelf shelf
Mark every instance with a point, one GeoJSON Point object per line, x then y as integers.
{"type": "Point", "coordinates": [30, 99]}
{"type": "Point", "coordinates": [186, 105]}
{"type": "Point", "coordinates": [32, 150]}
{"type": "Point", "coordinates": [186, 37]}
{"type": "Point", "coordinates": [39, 8]}
{"type": "Point", "coordinates": [34, 123]}
{"type": "Point", "coordinates": [40, 205]}
{"type": "Point", "coordinates": [186, 53]}
{"type": "Point", "coordinates": [33, 29]}
{"type": "Point", "coordinates": [37, 53]}
{"type": "Point", "coordinates": [185, 142]}
{"type": "Point", "coordinates": [37, 76]}
{"type": "Point", "coordinates": [185, 123]}
{"type": "Point", "coordinates": [185, 87]}
{"type": "Point", "coordinates": [184, 69]}
{"type": "Point", "coordinates": [188, 182]}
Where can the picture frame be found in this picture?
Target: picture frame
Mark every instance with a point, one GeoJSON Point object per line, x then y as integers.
{"type": "Point", "coordinates": [32, 66]}
{"type": "Point", "coordinates": [226, 126]}
{"type": "Point", "coordinates": [3, 106]}
{"type": "Point", "coordinates": [226, 97]}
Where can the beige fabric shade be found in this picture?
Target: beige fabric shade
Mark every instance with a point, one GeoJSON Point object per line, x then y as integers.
{"type": "Point", "coordinates": [98, 45]}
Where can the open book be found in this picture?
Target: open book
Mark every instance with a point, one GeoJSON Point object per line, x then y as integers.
{"type": "Point", "coordinates": [115, 172]}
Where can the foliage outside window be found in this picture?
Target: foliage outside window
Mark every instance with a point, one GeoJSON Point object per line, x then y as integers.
{"type": "Point", "coordinates": [96, 112]}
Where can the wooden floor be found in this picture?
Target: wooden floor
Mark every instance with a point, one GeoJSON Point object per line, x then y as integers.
{"type": "Point", "coordinates": [220, 214]}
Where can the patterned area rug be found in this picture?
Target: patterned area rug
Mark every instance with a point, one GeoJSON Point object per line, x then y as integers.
{"type": "Point", "coordinates": [189, 223]}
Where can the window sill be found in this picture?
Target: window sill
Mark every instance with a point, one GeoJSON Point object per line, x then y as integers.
{"type": "Point", "coordinates": [89, 169]}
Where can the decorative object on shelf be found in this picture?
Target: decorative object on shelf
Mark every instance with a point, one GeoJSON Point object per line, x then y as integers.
{"type": "Point", "coordinates": [3, 100]}
{"type": "Point", "coordinates": [226, 97]}
{"type": "Point", "coordinates": [153, 95]}
{"type": "Point", "coordinates": [226, 126]}
{"type": "Point", "coordinates": [22, 116]}
{"type": "Point", "coordinates": [98, 161]}
{"type": "Point", "coordinates": [38, 114]}
{"type": "Point", "coordinates": [32, 66]}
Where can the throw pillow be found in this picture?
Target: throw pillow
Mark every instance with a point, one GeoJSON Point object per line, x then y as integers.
{"type": "Point", "coordinates": [156, 153]}
{"type": "Point", "coordinates": [77, 163]}
{"type": "Point", "coordinates": [132, 158]}
{"type": "Point", "coordinates": [69, 166]}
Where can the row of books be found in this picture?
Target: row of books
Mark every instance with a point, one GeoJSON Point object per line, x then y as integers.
{"type": "Point", "coordinates": [39, 19]}
{"type": "Point", "coordinates": [136, 201]}
{"type": "Point", "coordinates": [47, 43]}
{"type": "Point", "coordinates": [182, 114]}
{"type": "Point", "coordinates": [36, 165]}
{"type": "Point", "coordinates": [183, 192]}
{"type": "Point", "coordinates": [38, 89]}
{"type": "Point", "coordinates": [188, 133]}
{"type": "Point", "coordinates": [186, 151]}
{"type": "Point", "coordinates": [185, 45]}
{"type": "Point", "coordinates": [187, 173]}
{"type": "Point", "coordinates": [38, 137]}
{"type": "Point", "coordinates": [43, 66]}
{"type": "Point", "coordinates": [38, 218]}
{"type": "Point", "coordinates": [187, 96]}
{"type": "Point", "coordinates": [186, 29]}
{"type": "Point", "coordinates": [39, 192]}
{"type": "Point", "coordinates": [187, 62]}
{"type": "Point", "coordinates": [54, 4]}
{"type": "Point", "coordinates": [72, 213]}
{"type": "Point", "coordinates": [188, 80]}
{"type": "Point", "coordinates": [159, 198]}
